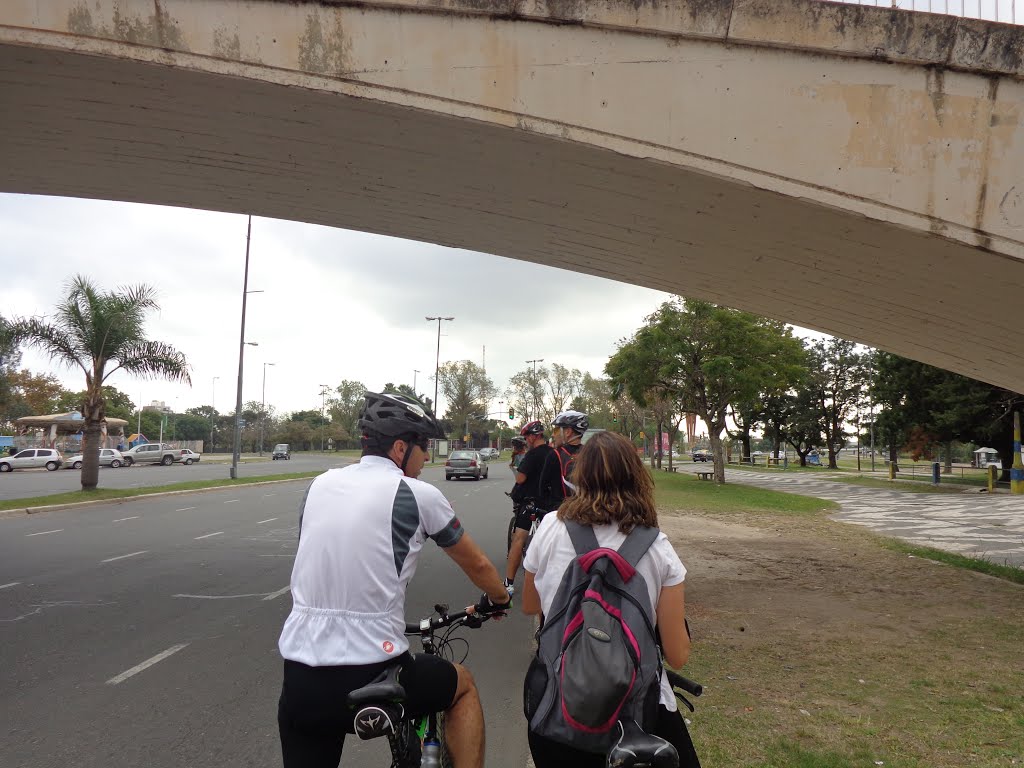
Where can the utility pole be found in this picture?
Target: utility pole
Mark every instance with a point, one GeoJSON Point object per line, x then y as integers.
{"type": "Point", "coordinates": [539, 360]}
{"type": "Point", "coordinates": [213, 409]}
{"type": "Point", "coordinates": [414, 372]}
{"type": "Point", "coordinates": [241, 357]}
{"type": "Point", "coordinates": [437, 368]}
{"type": "Point", "coordinates": [263, 404]}
{"type": "Point", "coordinates": [323, 402]}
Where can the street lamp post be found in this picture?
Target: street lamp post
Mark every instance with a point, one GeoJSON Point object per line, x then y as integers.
{"type": "Point", "coordinates": [263, 404]}
{"type": "Point", "coordinates": [437, 368]}
{"type": "Point", "coordinates": [213, 409]}
{"type": "Point", "coordinates": [534, 383]}
{"type": "Point", "coordinates": [323, 402]}
{"type": "Point", "coordinates": [414, 372]}
{"type": "Point", "coordinates": [241, 357]}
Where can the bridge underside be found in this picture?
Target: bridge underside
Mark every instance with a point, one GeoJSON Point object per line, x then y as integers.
{"type": "Point", "coordinates": [97, 127]}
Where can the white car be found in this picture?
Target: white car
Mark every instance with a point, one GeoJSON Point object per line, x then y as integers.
{"type": "Point", "coordinates": [188, 456]}
{"type": "Point", "coordinates": [31, 458]}
{"type": "Point", "coordinates": [109, 457]}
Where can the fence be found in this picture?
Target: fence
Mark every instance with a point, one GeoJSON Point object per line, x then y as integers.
{"type": "Point", "coordinates": [991, 10]}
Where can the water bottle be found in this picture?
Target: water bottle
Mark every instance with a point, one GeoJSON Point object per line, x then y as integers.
{"type": "Point", "coordinates": [431, 755]}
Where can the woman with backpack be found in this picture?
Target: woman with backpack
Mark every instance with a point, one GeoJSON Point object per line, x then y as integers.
{"type": "Point", "coordinates": [575, 567]}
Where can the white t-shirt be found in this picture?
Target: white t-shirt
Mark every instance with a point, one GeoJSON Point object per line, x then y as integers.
{"type": "Point", "coordinates": [551, 552]}
{"type": "Point", "coordinates": [361, 529]}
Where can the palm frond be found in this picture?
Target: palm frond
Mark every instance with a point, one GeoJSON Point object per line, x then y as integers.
{"type": "Point", "coordinates": [152, 359]}
{"type": "Point", "coordinates": [52, 340]}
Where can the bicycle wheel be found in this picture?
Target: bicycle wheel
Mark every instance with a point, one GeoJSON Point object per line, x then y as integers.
{"type": "Point", "coordinates": [511, 533]}
{"type": "Point", "coordinates": [407, 754]}
{"type": "Point", "coordinates": [446, 758]}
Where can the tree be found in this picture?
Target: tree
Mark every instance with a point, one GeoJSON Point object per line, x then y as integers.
{"type": "Point", "coordinates": [468, 390]}
{"type": "Point", "coordinates": [839, 374]}
{"type": "Point", "coordinates": [703, 358]}
{"type": "Point", "coordinates": [525, 393]}
{"type": "Point", "coordinates": [41, 393]}
{"type": "Point", "coordinates": [345, 404]}
{"type": "Point", "coordinates": [119, 405]}
{"type": "Point", "coordinates": [102, 333]}
{"type": "Point", "coordinates": [563, 385]}
{"type": "Point", "coordinates": [10, 360]}
{"type": "Point", "coordinates": [803, 430]}
{"type": "Point", "coordinates": [594, 398]}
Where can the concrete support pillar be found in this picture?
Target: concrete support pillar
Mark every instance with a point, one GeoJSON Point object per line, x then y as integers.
{"type": "Point", "coordinates": [1017, 472]}
{"type": "Point", "coordinates": [993, 477]}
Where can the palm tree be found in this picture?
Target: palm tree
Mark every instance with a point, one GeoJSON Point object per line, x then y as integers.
{"type": "Point", "coordinates": [101, 332]}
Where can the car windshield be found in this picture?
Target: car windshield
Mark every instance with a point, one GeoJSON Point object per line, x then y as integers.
{"type": "Point", "coordinates": [462, 455]}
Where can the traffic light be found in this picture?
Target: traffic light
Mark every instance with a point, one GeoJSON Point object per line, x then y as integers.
{"type": "Point", "coordinates": [511, 413]}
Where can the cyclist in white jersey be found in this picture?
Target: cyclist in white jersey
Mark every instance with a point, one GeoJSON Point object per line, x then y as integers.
{"type": "Point", "coordinates": [361, 530]}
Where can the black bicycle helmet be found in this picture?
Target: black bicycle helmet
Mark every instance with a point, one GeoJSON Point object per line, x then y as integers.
{"type": "Point", "coordinates": [394, 415]}
{"type": "Point", "coordinates": [518, 442]}
{"type": "Point", "coordinates": [573, 419]}
{"type": "Point", "coordinates": [532, 428]}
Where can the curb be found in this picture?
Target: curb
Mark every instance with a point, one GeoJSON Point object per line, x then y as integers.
{"type": "Point", "coordinates": [76, 504]}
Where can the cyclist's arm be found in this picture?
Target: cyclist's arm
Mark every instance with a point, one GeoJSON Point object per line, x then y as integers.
{"type": "Point", "coordinates": [675, 642]}
{"type": "Point", "coordinates": [480, 570]}
{"type": "Point", "coordinates": [520, 478]}
{"type": "Point", "coordinates": [531, 597]}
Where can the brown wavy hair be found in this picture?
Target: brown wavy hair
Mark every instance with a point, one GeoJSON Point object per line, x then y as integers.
{"type": "Point", "coordinates": [612, 485]}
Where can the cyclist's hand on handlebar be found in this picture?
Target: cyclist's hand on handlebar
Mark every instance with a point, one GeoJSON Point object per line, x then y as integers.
{"type": "Point", "coordinates": [487, 607]}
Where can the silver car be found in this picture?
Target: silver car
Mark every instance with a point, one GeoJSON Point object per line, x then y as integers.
{"type": "Point", "coordinates": [32, 458]}
{"type": "Point", "coordinates": [109, 457]}
{"type": "Point", "coordinates": [465, 464]}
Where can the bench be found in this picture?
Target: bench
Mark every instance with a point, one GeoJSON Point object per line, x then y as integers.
{"type": "Point", "coordinates": [673, 468]}
{"type": "Point", "coordinates": [774, 460]}
{"type": "Point", "coordinates": [705, 475]}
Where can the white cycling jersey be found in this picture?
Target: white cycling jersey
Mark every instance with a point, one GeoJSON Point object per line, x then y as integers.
{"type": "Point", "coordinates": [361, 529]}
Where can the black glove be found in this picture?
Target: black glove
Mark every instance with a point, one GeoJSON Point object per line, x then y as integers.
{"type": "Point", "coordinates": [487, 608]}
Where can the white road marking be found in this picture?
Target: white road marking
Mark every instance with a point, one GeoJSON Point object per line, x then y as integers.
{"type": "Point", "coordinates": [43, 533]}
{"type": "Point", "coordinates": [184, 509]}
{"type": "Point", "coordinates": [268, 520]}
{"type": "Point", "coordinates": [221, 597]}
{"type": "Point", "coordinates": [146, 664]}
{"type": "Point", "coordinates": [122, 557]}
{"type": "Point", "coordinates": [279, 592]}
{"type": "Point", "coordinates": [122, 519]}
{"type": "Point", "coordinates": [232, 501]}
{"type": "Point", "coordinates": [268, 495]}
{"type": "Point", "coordinates": [12, 584]}
{"type": "Point", "coordinates": [208, 535]}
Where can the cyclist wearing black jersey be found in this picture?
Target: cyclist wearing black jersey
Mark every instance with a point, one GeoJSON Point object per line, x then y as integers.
{"type": "Point", "coordinates": [567, 433]}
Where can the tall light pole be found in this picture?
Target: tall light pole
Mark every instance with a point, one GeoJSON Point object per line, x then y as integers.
{"type": "Point", "coordinates": [323, 401]}
{"type": "Point", "coordinates": [263, 404]}
{"type": "Point", "coordinates": [414, 372]}
{"type": "Point", "coordinates": [241, 356]}
{"type": "Point", "coordinates": [539, 360]}
{"type": "Point", "coordinates": [213, 409]}
{"type": "Point", "coordinates": [437, 368]}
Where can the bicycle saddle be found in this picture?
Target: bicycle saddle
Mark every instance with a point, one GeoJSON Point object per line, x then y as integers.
{"type": "Point", "coordinates": [638, 749]}
{"type": "Point", "coordinates": [384, 689]}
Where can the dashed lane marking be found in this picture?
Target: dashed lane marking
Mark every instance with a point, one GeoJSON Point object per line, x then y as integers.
{"type": "Point", "coordinates": [268, 520]}
{"type": "Point", "coordinates": [122, 519]}
{"type": "Point", "coordinates": [268, 495]}
{"type": "Point", "coordinates": [122, 557]}
{"type": "Point", "coordinates": [12, 584]}
{"type": "Point", "coordinates": [146, 664]}
{"type": "Point", "coordinates": [232, 501]}
{"type": "Point", "coordinates": [208, 535]}
{"type": "Point", "coordinates": [279, 592]}
{"type": "Point", "coordinates": [184, 509]}
{"type": "Point", "coordinates": [43, 533]}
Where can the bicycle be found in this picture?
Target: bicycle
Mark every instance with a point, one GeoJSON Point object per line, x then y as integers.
{"type": "Point", "coordinates": [415, 742]}
{"type": "Point", "coordinates": [636, 748]}
{"type": "Point", "coordinates": [531, 506]}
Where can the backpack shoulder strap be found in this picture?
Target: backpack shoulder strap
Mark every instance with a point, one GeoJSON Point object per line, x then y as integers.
{"type": "Point", "coordinates": [583, 537]}
{"type": "Point", "coordinates": [639, 540]}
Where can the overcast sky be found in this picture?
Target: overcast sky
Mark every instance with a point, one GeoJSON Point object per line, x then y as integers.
{"type": "Point", "coordinates": [337, 304]}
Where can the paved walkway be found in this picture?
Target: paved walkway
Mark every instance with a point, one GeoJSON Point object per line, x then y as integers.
{"type": "Point", "coordinates": [971, 523]}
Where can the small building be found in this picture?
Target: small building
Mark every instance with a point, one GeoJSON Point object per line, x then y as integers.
{"type": "Point", "coordinates": [987, 457]}
{"type": "Point", "coordinates": [65, 424]}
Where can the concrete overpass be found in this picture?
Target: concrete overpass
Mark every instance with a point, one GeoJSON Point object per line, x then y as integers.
{"type": "Point", "coordinates": [851, 169]}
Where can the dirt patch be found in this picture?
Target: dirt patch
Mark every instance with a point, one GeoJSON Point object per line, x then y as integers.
{"type": "Point", "coordinates": [810, 636]}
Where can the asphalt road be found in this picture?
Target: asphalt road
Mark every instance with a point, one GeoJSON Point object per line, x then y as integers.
{"type": "Point", "coordinates": [26, 483]}
{"type": "Point", "coordinates": [145, 632]}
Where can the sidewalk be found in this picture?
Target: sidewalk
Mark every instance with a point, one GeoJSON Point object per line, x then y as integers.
{"type": "Point", "coordinates": [973, 524]}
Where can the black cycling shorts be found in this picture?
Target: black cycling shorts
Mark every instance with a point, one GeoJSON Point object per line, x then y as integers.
{"type": "Point", "coordinates": [523, 521]}
{"type": "Point", "coordinates": [313, 716]}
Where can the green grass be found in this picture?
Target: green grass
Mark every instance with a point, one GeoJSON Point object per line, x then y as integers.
{"type": "Point", "coordinates": [106, 494]}
{"type": "Point", "coordinates": [685, 491]}
{"type": "Point", "coordinates": [907, 486]}
{"type": "Point", "coordinates": [980, 564]}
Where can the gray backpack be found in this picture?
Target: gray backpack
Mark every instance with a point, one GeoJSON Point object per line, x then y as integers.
{"type": "Point", "coordinates": [598, 659]}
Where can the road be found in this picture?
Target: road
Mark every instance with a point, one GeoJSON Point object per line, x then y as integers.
{"type": "Point", "coordinates": [145, 632]}
{"type": "Point", "coordinates": [27, 483]}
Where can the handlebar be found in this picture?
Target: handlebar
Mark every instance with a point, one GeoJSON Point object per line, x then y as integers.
{"type": "Point", "coordinates": [678, 681]}
{"type": "Point", "coordinates": [467, 617]}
